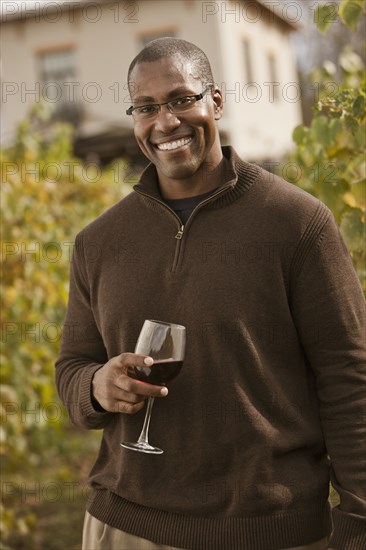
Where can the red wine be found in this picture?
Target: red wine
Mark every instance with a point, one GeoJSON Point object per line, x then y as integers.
{"type": "Point", "coordinates": [159, 373]}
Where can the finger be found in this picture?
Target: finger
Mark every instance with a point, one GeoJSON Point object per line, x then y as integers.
{"type": "Point", "coordinates": [128, 397]}
{"type": "Point", "coordinates": [142, 388]}
{"type": "Point", "coordinates": [128, 408]}
{"type": "Point", "coordinates": [122, 402]}
{"type": "Point", "coordinates": [118, 390]}
{"type": "Point", "coordinates": [126, 360]}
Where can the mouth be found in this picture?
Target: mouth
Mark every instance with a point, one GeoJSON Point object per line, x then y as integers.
{"type": "Point", "coordinates": [173, 145]}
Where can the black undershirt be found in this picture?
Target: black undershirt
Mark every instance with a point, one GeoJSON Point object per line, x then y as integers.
{"type": "Point", "coordinates": [184, 207]}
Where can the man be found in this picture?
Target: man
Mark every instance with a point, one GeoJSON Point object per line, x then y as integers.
{"type": "Point", "coordinates": [270, 401]}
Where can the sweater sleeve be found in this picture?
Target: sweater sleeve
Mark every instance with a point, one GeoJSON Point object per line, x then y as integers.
{"type": "Point", "coordinates": [82, 350]}
{"type": "Point", "coordinates": [329, 310]}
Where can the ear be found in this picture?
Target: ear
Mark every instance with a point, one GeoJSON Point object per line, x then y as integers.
{"type": "Point", "coordinates": [218, 103]}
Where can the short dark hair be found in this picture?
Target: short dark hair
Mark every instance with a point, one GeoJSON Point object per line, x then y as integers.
{"type": "Point", "coordinates": [169, 46]}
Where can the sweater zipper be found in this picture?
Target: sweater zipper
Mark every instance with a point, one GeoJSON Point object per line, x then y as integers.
{"type": "Point", "coordinates": [182, 228]}
{"type": "Point", "coordinates": [179, 235]}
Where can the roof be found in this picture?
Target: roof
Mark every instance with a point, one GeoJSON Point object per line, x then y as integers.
{"type": "Point", "coordinates": [270, 10]}
{"type": "Point", "coordinates": [289, 13]}
{"type": "Point", "coordinates": [15, 10]}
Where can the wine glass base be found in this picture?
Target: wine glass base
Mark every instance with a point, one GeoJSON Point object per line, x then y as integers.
{"type": "Point", "coordinates": [142, 448]}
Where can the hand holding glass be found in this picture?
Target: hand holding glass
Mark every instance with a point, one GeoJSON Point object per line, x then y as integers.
{"type": "Point", "coordinates": [165, 343]}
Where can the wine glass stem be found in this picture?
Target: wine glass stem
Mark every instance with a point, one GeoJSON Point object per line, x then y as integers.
{"type": "Point", "coordinates": [145, 428]}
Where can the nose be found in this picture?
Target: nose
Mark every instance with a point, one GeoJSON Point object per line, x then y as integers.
{"type": "Point", "coordinates": [166, 121]}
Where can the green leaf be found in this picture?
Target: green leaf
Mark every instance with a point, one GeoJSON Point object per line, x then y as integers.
{"type": "Point", "coordinates": [353, 230]}
{"type": "Point", "coordinates": [351, 62]}
{"type": "Point", "coordinates": [335, 126]}
{"type": "Point", "coordinates": [324, 16]}
{"type": "Point", "coordinates": [359, 191]}
{"type": "Point", "coordinates": [300, 134]}
{"type": "Point", "coordinates": [321, 131]}
{"type": "Point", "coordinates": [350, 12]}
{"type": "Point", "coordinates": [359, 107]}
{"type": "Point", "coordinates": [351, 123]}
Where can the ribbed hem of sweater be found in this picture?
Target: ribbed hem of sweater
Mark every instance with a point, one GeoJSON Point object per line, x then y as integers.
{"type": "Point", "coordinates": [271, 532]}
{"type": "Point", "coordinates": [349, 532]}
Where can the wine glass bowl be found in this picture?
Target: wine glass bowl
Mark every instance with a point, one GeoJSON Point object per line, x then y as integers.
{"type": "Point", "coordinates": [160, 373]}
{"type": "Point", "coordinates": [165, 344]}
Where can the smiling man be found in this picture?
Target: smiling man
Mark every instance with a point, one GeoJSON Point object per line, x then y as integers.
{"type": "Point", "coordinates": [181, 137]}
{"type": "Point", "coordinates": [270, 402]}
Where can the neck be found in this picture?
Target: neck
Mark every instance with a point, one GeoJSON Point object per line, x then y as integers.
{"type": "Point", "coordinates": [203, 181]}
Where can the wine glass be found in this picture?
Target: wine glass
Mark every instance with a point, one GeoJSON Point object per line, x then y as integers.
{"type": "Point", "coordinates": [165, 343]}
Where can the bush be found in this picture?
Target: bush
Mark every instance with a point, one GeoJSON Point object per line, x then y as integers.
{"type": "Point", "coordinates": [47, 197]}
{"type": "Point", "coordinates": [329, 160]}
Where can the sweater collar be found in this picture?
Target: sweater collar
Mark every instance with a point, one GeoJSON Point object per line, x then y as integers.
{"type": "Point", "coordinates": [239, 177]}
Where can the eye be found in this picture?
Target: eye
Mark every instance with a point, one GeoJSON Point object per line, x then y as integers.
{"type": "Point", "coordinates": [183, 101]}
{"type": "Point", "coordinates": [146, 110]}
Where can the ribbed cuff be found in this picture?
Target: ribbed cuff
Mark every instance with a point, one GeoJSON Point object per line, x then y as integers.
{"type": "Point", "coordinates": [349, 531]}
{"type": "Point", "coordinates": [93, 417]}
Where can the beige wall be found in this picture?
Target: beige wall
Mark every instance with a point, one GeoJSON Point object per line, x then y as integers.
{"type": "Point", "coordinates": [260, 126]}
{"type": "Point", "coordinates": [104, 48]}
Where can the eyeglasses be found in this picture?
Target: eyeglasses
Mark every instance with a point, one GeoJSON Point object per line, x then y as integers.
{"type": "Point", "coordinates": [176, 106]}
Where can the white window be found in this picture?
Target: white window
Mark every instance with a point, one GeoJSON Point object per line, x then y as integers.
{"type": "Point", "coordinates": [56, 69]}
{"type": "Point", "coordinates": [248, 65]}
{"type": "Point", "coordinates": [273, 75]}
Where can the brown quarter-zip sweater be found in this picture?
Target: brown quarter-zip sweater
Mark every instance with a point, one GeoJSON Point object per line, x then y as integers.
{"type": "Point", "coordinates": [270, 402]}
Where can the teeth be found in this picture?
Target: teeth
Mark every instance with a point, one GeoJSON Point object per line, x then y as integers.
{"type": "Point", "coordinates": [173, 144]}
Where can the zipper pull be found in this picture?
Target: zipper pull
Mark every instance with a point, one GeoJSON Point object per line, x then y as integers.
{"type": "Point", "coordinates": [179, 235]}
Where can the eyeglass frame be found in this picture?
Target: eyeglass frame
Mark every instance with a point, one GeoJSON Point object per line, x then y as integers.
{"type": "Point", "coordinates": [197, 97]}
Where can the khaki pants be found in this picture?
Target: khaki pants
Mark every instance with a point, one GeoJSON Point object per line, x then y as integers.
{"type": "Point", "coordinates": [100, 536]}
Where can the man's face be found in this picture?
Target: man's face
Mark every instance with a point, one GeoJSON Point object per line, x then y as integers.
{"type": "Point", "coordinates": [193, 134]}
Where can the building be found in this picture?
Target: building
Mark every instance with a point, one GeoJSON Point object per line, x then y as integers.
{"type": "Point", "coordinates": [75, 54]}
